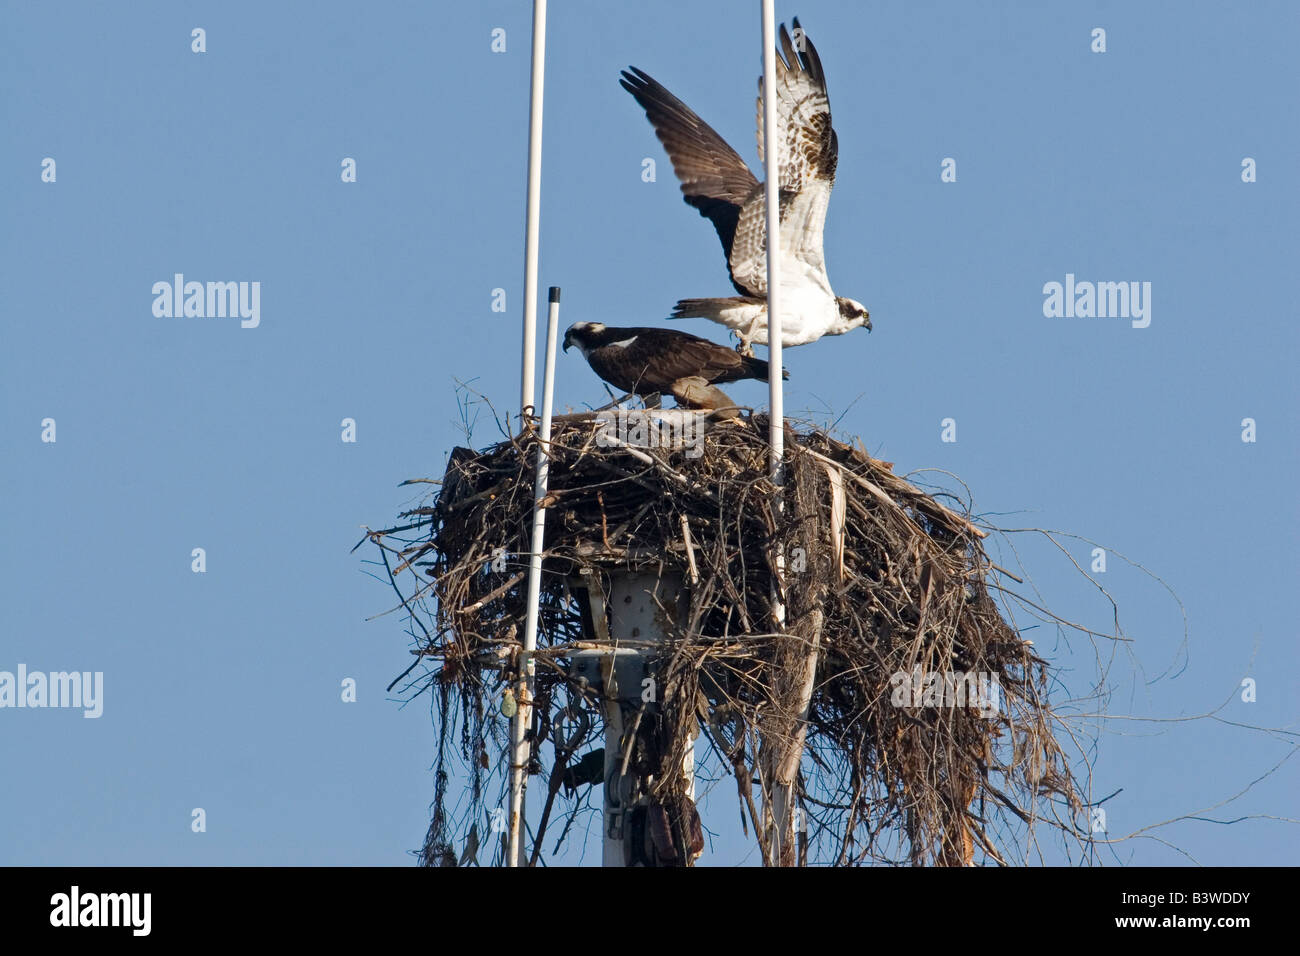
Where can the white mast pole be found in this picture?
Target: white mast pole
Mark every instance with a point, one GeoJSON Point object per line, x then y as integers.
{"type": "Point", "coordinates": [780, 798]}
{"type": "Point", "coordinates": [531, 229]}
{"type": "Point", "coordinates": [520, 749]}
{"type": "Point", "coordinates": [776, 395]}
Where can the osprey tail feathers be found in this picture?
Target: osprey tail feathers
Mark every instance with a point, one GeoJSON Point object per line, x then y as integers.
{"type": "Point", "coordinates": [758, 368]}
{"type": "Point", "coordinates": [735, 312]}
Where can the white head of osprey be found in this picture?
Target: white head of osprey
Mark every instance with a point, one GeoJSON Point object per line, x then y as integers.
{"type": "Point", "coordinates": [1102, 300]}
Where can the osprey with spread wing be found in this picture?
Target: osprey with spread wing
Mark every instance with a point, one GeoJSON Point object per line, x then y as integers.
{"type": "Point", "coordinates": [716, 181]}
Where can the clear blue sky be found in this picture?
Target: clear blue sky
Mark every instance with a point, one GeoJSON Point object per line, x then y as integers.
{"type": "Point", "coordinates": [222, 689]}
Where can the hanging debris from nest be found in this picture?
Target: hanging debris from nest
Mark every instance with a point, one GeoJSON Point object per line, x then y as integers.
{"type": "Point", "coordinates": [928, 732]}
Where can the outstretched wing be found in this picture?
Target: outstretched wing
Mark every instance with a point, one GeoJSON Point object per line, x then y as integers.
{"type": "Point", "coordinates": [805, 137]}
{"type": "Point", "coordinates": [808, 153]}
{"type": "Point", "coordinates": [715, 180]}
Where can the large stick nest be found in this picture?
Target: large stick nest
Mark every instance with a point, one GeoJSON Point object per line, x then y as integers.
{"type": "Point", "coordinates": [887, 589]}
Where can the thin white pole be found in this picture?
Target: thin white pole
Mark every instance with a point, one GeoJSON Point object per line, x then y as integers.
{"type": "Point", "coordinates": [532, 226]}
{"type": "Point", "coordinates": [520, 747]}
{"type": "Point", "coordinates": [778, 797]}
{"type": "Point", "coordinates": [776, 395]}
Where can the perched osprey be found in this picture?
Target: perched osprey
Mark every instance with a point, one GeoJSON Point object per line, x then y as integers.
{"type": "Point", "coordinates": [716, 181]}
{"type": "Point", "coordinates": [648, 361]}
